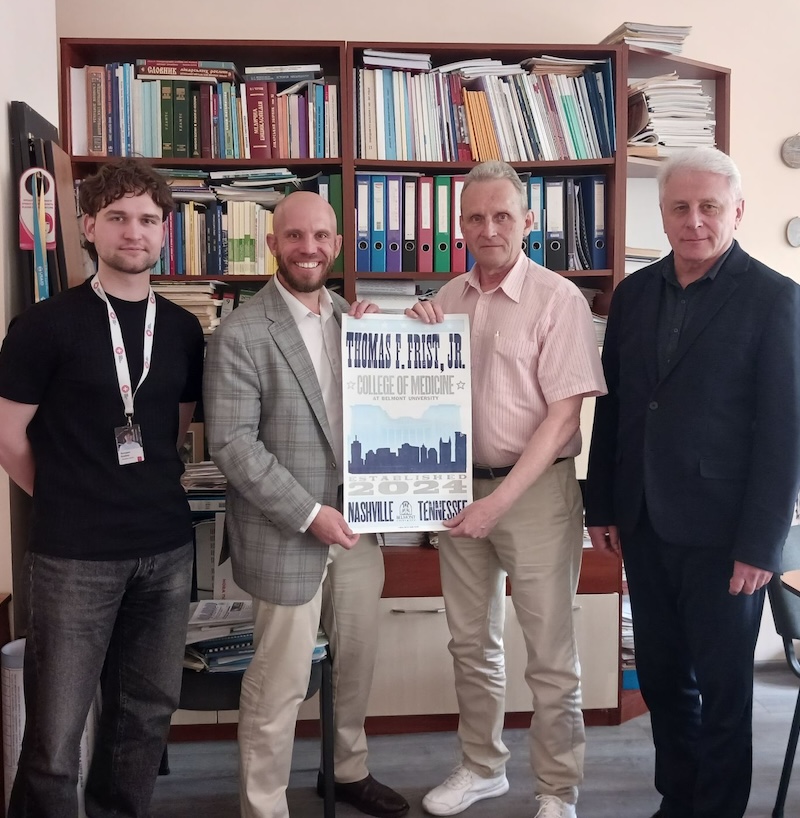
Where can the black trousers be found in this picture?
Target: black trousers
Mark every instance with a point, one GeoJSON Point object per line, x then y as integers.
{"type": "Point", "coordinates": [694, 658]}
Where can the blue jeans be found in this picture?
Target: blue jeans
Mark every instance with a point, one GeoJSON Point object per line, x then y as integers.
{"type": "Point", "coordinates": [123, 621]}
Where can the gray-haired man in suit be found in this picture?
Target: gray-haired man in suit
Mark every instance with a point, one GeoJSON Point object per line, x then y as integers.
{"type": "Point", "coordinates": [273, 410]}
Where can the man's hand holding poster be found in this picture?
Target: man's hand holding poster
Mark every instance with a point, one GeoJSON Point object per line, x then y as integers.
{"type": "Point", "coordinates": [407, 422]}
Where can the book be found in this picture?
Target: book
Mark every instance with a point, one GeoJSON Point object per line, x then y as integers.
{"type": "Point", "coordinates": [193, 74]}
{"type": "Point", "coordinates": [167, 145]}
{"type": "Point", "coordinates": [187, 64]}
{"type": "Point", "coordinates": [96, 110]}
{"type": "Point", "coordinates": [283, 76]}
{"type": "Point", "coordinates": [282, 69]}
{"type": "Point", "coordinates": [180, 119]}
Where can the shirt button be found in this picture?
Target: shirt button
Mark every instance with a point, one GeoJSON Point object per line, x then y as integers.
{"type": "Point", "coordinates": [653, 404]}
{"type": "Point", "coordinates": [333, 465]}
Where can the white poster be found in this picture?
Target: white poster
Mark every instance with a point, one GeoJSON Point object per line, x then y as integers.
{"type": "Point", "coordinates": [407, 422]}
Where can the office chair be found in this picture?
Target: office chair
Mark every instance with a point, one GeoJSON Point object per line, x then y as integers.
{"type": "Point", "coordinates": [786, 613]}
{"type": "Point", "coordinates": [220, 691]}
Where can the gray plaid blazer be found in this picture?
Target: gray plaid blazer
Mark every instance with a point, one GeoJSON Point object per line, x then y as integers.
{"type": "Point", "coordinates": [268, 432]}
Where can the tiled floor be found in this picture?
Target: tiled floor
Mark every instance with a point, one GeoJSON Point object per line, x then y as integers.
{"type": "Point", "coordinates": [618, 769]}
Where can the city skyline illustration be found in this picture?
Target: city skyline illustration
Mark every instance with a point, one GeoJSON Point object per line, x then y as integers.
{"type": "Point", "coordinates": [436, 441]}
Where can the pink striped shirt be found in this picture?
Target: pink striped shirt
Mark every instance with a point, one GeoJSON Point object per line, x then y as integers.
{"type": "Point", "coordinates": [532, 343]}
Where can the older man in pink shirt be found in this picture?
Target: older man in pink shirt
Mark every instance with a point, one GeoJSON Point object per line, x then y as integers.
{"type": "Point", "coordinates": [534, 358]}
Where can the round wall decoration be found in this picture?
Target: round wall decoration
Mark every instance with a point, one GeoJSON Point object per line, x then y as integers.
{"type": "Point", "coordinates": [790, 151]}
{"type": "Point", "coordinates": [793, 231]}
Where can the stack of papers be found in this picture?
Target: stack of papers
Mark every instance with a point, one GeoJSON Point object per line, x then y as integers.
{"type": "Point", "coordinates": [203, 476]}
{"type": "Point", "coordinates": [668, 114]}
{"type": "Point", "coordinates": [220, 635]}
{"type": "Point", "coordinates": [668, 39]}
{"type": "Point", "coordinates": [638, 257]}
{"type": "Point", "coordinates": [626, 636]}
{"type": "Point", "coordinates": [374, 58]}
{"type": "Point", "coordinates": [600, 322]}
{"type": "Point", "coordinates": [392, 296]}
{"type": "Point", "coordinates": [403, 538]}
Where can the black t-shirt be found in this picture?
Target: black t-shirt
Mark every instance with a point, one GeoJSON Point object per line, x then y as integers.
{"type": "Point", "coordinates": [58, 355]}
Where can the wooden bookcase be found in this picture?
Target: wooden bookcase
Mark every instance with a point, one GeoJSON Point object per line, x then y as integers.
{"type": "Point", "coordinates": [414, 572]}
{"type": "Point", "coordinates": [339, 59]}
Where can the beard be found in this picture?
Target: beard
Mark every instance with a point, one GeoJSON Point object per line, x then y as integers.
{"type": "Point", "coordinates": [303, 285]}
{"type": "Point", "coordinates": [130, 266]}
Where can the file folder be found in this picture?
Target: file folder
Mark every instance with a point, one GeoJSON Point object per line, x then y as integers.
{"type": "Point", "coordinates": [410, 226]}
{"type": "Point", "coordinates": [458, 249]}
{"type": "Point", "coordinates": [555, 251]}
{"type": "Point", "coordinates": [425, 225]}
{"type": "Point", "coordinates": [362, 223]}
{"type": "Point", "coordinates": [377, 206]}
{"type": "Point", "coordinates": [593, 196]}
{"type": "Point", "coordinates": [394, 224]}
{"type": "Point", "coordinates": [441, 228]}
{"type": "Point", "coordinates": [535, 203]}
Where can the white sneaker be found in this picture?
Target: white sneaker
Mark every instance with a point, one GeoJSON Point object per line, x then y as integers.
{"type": "Point", "coordinates": [553, 807]}
{"type": "Point", "coordinates": [462, 788]}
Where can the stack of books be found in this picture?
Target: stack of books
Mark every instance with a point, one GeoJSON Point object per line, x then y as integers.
{"type": "Point", "coordinates": [668, 114]}
{"type": "Point", "coordinates": [407, 60]}
{"type": "Point", "coordinates": [202, 300]}
{"type": "Point", "coordinates": [203, 477]}
{"type": "Point", "coordinates": [668, 39]}
{"type": "Point", "coordinates": [219, 638]}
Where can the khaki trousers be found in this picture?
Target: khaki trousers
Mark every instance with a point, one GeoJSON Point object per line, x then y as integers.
{"type": "Point", "coordinates": [275, 684]}
{"type": "Point", "coordinates": [538, 543]}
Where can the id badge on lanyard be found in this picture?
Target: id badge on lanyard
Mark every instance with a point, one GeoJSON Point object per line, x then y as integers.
{"type": "Point", "coordinates": [128, 438]}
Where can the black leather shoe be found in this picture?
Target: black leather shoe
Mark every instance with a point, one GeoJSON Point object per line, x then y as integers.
{"type": "Point", "coordinates": [369, 796]}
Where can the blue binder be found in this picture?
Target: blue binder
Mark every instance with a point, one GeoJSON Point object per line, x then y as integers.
{"type": "Point", "coordinates": [536, 204]}
{"type": "Point", "coordinates": [377, 206]}
{"type": "Point", "coordinates": [394, 224]}
{"type": "Point", "coordinates": [593, 196]}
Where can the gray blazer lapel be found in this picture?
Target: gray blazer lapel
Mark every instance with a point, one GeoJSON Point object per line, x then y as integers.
{"type": "Point", "coordinates": [287, 338]}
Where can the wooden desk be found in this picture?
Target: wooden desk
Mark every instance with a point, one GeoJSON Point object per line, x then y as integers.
{"type": "Point", "coordinates": [791, 581]}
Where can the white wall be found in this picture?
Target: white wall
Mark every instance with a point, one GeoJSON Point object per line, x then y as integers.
{"type": "Point", "coordinates": [28, 72]}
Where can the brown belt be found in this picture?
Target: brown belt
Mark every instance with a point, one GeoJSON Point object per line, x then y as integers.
{"type": "Point", "coordinates": [493, 472]}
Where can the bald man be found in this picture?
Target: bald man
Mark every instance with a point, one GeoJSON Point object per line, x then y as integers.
{"type": "Point", "coordinates": [273, 408]}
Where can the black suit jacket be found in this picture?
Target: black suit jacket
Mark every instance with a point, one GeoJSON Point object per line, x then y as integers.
{"type": "Point", "coordinates": [714, 446]}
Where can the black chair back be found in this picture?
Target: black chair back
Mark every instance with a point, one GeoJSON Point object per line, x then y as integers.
{"type": "Point", "coordinates": [786, 605]}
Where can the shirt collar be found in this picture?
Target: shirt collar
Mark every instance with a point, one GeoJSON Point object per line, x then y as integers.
{"type": "Point", "coordinates": [299, 311]}
{"type": "Point", "coordinates": [668, 270]}
{"type": "Point", "coordinates": [511, 285]}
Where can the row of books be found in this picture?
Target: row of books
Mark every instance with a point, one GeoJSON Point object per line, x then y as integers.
{"type": "Point", "coordinates": [117, 111]}
{"type": "Point", "coordinates": [409, 223]}
{"type": "Point", "coordinates": [205, 238]}
{"type": "Point", "coordinates": [552, 113]}
{"type": "Point", "coordinates": [219, 232]}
